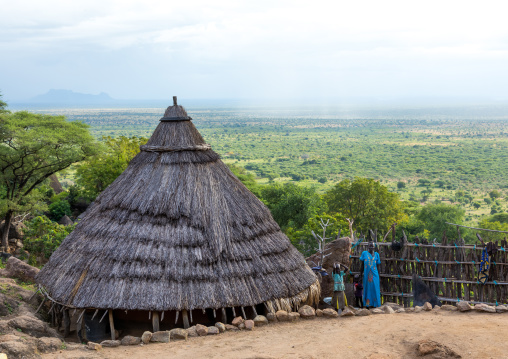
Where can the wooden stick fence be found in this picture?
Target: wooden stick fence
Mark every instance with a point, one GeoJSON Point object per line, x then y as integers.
{"type": "Point", "coordinates": [449, 269]}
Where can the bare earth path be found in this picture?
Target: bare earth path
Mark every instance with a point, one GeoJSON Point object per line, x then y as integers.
{"type": "Point", "coordinates": [472, 335]}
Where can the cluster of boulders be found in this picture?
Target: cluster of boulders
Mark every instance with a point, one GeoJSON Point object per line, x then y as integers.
{"type": "Point", "coordinates": [197, 330]}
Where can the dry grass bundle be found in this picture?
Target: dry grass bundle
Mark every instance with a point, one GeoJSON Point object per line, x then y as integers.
{"type": "Point", "coordinates": [177, 230]}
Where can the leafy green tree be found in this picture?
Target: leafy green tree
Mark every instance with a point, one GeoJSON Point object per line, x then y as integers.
{"type": "Point", "coordinates": [100, 170]}
{"type": "Point", "coordinates": [292, 205]}
{"type": "Point", "coordinates": [434, 217]}
{"type": "Point", "coordinates": [32, 148]}
{"type": "Point", "coordinates": [367, 202]}
{"type": "Point", "coordinates": [401, 185]}
{"type": "Point", "coordinates": [3, 105]}
{"type": "Point", "coordinates": [494, 194]}
{"type": "Point", "coordinates": [43, 236]}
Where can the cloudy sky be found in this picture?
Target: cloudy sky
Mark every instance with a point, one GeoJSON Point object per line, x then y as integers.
{"type": "Point", "coordinates": [254, 49]}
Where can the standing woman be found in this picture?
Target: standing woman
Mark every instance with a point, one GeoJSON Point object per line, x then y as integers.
{"type": "Point", "coordinates": [370, 271]}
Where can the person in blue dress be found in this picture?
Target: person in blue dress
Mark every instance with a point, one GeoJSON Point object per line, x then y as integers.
{"type": "Point", "coordinates": [370, 271]}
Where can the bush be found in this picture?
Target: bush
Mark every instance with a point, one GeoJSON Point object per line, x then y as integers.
{"type": "Point", "coordinates": [59, 209]}
{"type": "Point", "coordinates": [43, 237]}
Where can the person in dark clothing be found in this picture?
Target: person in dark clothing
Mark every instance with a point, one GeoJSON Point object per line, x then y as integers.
{"type": "Point", "coordinates": [358, 291]}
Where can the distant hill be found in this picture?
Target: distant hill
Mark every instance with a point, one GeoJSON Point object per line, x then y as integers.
{"type": "Point", "coordinates": [68, 97]}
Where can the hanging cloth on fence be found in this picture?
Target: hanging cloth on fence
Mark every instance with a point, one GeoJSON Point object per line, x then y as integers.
{"type": "Point", "coordinates": [483, 275]}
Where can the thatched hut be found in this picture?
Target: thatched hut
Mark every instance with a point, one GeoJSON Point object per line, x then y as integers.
{"type": "Point", "coordinates": [177, 233]}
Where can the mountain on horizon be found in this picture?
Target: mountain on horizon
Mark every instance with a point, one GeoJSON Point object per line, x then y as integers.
{"type": "Point", "coordinates": [70, 97]}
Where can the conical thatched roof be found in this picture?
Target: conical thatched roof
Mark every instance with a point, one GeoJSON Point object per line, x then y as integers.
{"type": "Point", "coordinates": [177, 230]}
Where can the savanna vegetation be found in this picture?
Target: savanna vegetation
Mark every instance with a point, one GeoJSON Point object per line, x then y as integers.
{"type": "Point", "coordinates": [418, 172]}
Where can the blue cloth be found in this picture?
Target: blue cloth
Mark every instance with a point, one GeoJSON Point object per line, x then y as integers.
{"type": "Point", "coordinates": [371, 289]}
{"type": "Point", "coordinates": [338, 281]}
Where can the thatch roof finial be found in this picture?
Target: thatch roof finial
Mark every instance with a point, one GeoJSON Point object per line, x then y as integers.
{"type": "Point", "coordinates": [174, 101]}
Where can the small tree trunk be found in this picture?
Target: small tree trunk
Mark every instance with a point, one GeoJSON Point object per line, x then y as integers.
{"type": "Point", "coordinates": [5, 233]}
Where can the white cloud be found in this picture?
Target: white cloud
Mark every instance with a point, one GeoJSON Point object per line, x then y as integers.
{"type": "Point", "coordinates": [279, 46]}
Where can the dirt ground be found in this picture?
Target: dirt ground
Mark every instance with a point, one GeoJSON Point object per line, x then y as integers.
{"type": "Point", "coordinates": [383, 336]}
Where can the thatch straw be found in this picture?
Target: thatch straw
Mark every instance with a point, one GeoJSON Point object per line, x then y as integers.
{"type": "Point", "coordinates": [177, 230]}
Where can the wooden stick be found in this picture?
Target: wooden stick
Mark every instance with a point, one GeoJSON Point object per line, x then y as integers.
{"type": "Point", "coordinates": [185, 319]}
{"type": "Point", "coordinates": [81, 316]}
{"type": "Point", "coordinates": [176, 319]}
{"type": "Point", "coordinates": [94, 314]}
{"type": "Point", "coordinates": [224, 317]}
{"type": "Point", "coordinates": [234, 314]}
{"type": "Point", "coordinates": [149, 314]}
{"type": "Point", "coordinates": [190, 312]}
{"type": "Point", "coordinates": [40, 306]}
{"type": "Point", "coordinates": [254, 309]}
{"type": "Point", "coordinates": [33, 295]}
{"type": "Point", "coordinates": [111, 324]}
{"type": "Point", "coordinates": [243, 312]}
{"type": "Point", "coordinates": [214, 315]}
{"type": "Point", "coordinates": [106, 312]}
{"type": "Point", "coordinates": [162, 316]}
{"type": "Point", "coordinates": [155, 321]}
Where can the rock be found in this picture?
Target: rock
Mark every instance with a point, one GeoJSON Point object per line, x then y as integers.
{"type": "Point", "coordinates": [307, 312]}
{"type": "Point", "coordinates": [418, 309]}
{"type": "Point", "coordinates": [18, 349]}
{"type": "Point", "coordinates": [330, 313]}
{"type": "Point", "coordinates": [448, 307]}
{"type": "Point", "coordinates": [400, 310]}
{"type": "Point", "coordinates": [282, 316]}
{"type": "Point", "coordinates": [48, 345]}
{"type": "Point", "coordinates": [427, 306]}
{"type": "Point", "coordinates": [260, 320]}
{"type": "Point", "coordinates": [111, 343]}
{"type": "Point", "coordinates": [502, 309]}
{"type": "Point", "coordinates": [392, 305]}
{"type": "Point", "coordinates": [485, 308]}
{"type": "Point", "coordinates": [241, 326]}
{"type": "Point", "coordinates": [463, 306]}
{"type": "Point", "coordinates": [160, 337]}
{"type": "Point", "coordinates": [19, 269]}
{"type": "Point", "coordinates": [410, 310]}
{"type": "Point", "coordinates": [191, 332]}
{"type": "Point", "coordinates": [363, 312]}
{"type": "Point", "coordinates": [293, 316]}
{"type": "Point", "coordinates": [437, 308]}
{"type": "Point", "coordinates": [213, 330]}
{"type": "Point", "coordinates": [377, 311]}
{"type": "Point", "coordinates": [130, 340]}
{"type": "Point", "coordinates": [347, 313]}
{"type": "Point", "coordinates": [94, 346]}
{"type": "Point", "coordinates": [319, 313]}
{"type": "Point", "coordinates": [10, 305]}
{"type": "Point", "coordinates": [65, 220]}
{"type": "Point", "coordinates": [201, 330]}
{"type": "Point", "coordinates": [231, 328]}
{"type": "Point", "coordinates": [221, 327]}
{"type": "Point", "coordinates": [16, 230]}
{"type": "Point", "coordinates": [353, 309]}
{"type": "Point", "coordinates": [249, 324]}
{"type": "Point", "coordinates": [237, 321]}
{"type": "Point", "coordinates": [178, 334]}
{"type": "Point", "coordinates": [430, 347]}
{"type": "Point", "coordinates": [271, 317]}
{"type": "Point", "coordinates": [145, 338]}
{"type": "Point", "coordinates": [389, 310]}
{"type": "Point", "coordinates": [32, 326]}
{"type": "Point", "coordinates": [9, 337]}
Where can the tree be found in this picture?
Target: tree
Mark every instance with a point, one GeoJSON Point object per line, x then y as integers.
{"type": "Point", "coordinates": [32, 148]}
{"type": "Point", "coordinates": [494, 194]}
{"type": "Point", "coordinates": [3, 105]}
{"type": "Point", "coordinates": [100, 170]}
{"type": "Point", "coordinates": [292, 205]}
{"type": "Point", "coordinates": [401, 185]}
{"type": "Point", "coordinates": [367, 202]}
{"type": "Point", "coordinates": [434, 217]}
